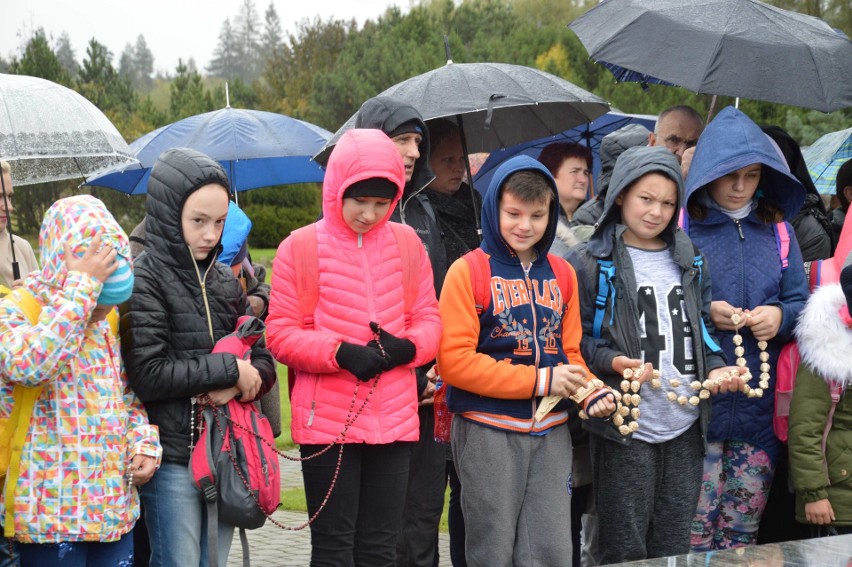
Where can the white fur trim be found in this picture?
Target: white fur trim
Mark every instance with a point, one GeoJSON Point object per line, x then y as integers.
{"type": "Point", "coordinates": [825, 342]}
{"type": "Point", "coordinates": [565, 234]}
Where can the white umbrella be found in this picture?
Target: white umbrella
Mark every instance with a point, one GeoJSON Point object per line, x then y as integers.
{"type": "Point", "coordinates": [49, 132]}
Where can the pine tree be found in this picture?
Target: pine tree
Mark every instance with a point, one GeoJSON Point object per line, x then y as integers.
{"type": "Point", "coordinates": [226, 57]}
{"type": "Point", "coordinates": [144, 64]}
{"type": "Point", "coordinates": [66, 56]}
{"type": "Point", "coordinates": [273, 37]}
{"type": "Point", "coordinates": [247, 30]}
{"type": "Point", "coordinates": [39, 60]}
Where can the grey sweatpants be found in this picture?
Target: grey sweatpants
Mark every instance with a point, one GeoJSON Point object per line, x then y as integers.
{"type": "Point", "coordinates": [646, 495]}
{"type": "Point", "coordinates": [515, 495]}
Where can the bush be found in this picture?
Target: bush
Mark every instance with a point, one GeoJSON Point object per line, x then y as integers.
{"type": "Point", "coordinates": [271, 225]}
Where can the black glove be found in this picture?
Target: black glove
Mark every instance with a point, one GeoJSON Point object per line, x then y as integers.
{"type": "Point", "coordinates": [365, 362]}
{"type": "Point", "coordinates": [399, 351]}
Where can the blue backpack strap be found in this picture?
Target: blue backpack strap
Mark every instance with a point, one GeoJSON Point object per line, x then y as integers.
{"type": "Point", "coordinates": [606, 271]}
{"type": "Point", "coordinates": [698, 264]}
{"type": "Point", "coordinates": [782, 241]}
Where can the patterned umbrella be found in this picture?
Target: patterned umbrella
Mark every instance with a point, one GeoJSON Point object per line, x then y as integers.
{"type": "Point", "coordinates": [825, 157]}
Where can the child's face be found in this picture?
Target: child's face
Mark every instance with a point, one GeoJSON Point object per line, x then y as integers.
{"type": "Point", "coordinates": [734, 190]}
{"type": "Point", "coordinates": [409, 148]}
{"type": "Point", "coordinates": [522, 224]}
{"type": "Point", "coordinates": [647, 209]}
{"type": "Point", "coordinates": [203, 218]}
{"type": "Point", "coordinates": [362, 213]}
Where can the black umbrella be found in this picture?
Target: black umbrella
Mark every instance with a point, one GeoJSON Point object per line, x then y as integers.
{"type": "Point", "coordinates": [739, 48]}
{"type": "Point", "coordinates": [498, 104]}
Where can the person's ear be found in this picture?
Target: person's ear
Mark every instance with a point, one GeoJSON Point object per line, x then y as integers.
{"type": "Point", "coordinates": [652, 139]}
{"type": "Point", "coordinates": [847, 192]}
{"type": "Point", "coordinates": [619, 200]}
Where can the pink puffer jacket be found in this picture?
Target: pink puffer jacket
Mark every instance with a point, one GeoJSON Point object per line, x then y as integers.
{"type": "Point", "coordinates": [360, 280]}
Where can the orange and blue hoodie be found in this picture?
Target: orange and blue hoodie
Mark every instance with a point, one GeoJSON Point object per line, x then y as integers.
{"type": "Point", "coordinates": [499, 364]}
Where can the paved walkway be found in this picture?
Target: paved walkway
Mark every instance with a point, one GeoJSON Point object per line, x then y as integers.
{"type": "Point", "coordinates": [270, 546]}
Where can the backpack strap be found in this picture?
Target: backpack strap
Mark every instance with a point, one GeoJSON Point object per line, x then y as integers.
{"type": "Point", "coordinates": [606, 271]}
{"type": "Point", "coordinates": [562, 271]}
{"type": "Point", "coordinates": [409, 250]}
{"type": "Point", "coordinates": [18, 425]}
{"type": "Point", "coordinates": [698, 264]}
{"type": "Point", "coordinates": [480, 274]}
{"type": "Point", "coordinates": [306, 266]}
{"type": "Point", "coordinates": [782, 241]}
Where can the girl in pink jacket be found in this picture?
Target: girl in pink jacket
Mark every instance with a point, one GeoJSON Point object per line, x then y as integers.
{"type": "Point", "coordinates": [355, 385]}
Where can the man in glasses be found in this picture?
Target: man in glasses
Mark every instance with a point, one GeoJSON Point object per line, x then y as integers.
{"type": "Point", "coordinates": [678, 129]}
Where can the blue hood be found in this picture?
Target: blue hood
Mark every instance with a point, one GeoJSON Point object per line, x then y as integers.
{"type": "Point", "coordinates": [732, 141]}
{"type": "Point", "coordinates": [492, 242]}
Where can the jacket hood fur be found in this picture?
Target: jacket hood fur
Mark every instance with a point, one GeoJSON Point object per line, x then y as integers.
{"type": "Point", "coordinates": [825, 342]}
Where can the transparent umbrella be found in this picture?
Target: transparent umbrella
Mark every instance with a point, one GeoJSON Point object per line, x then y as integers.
{"type": "Point", "coordinates": [49, 133]}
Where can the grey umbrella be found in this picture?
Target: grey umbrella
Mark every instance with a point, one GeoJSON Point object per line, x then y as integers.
{"type": "Point", "coordinates": [740, 48]}
{"type": "Point", "coordinates": [501, 104]}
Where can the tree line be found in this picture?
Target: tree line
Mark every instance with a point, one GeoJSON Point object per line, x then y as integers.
{"type": "Point", "coordinates": [327, 67]}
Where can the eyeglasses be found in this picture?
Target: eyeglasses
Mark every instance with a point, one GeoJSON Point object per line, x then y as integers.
{"type": "Point", "coordinates": [674, 142]}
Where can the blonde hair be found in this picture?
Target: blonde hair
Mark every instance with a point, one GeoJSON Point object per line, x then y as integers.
{"type": "Point", "coordinates": [5, 167]}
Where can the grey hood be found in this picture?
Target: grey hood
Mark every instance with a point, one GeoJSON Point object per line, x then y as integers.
{"type": "Point", "coordinates": [631, 165]}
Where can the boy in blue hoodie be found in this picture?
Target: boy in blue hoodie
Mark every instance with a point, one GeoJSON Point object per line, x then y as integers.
{"type": "Point", "coordinates": [739, 194]}
{"type": "Point", "coordinates": [512, 457]}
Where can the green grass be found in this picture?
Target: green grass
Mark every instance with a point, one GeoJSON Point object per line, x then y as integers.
{"type": "Point", "coordinates": [293, 499]}
{"type": "Point", "coordinates": [263, 256]}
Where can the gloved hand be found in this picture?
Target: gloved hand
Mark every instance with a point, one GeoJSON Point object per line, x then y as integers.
{"type": "Point", "coordinates": [399, 351]}
{"type": "Point", "coordinates": [365, 362]}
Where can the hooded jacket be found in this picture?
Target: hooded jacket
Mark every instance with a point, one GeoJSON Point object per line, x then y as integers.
{"type": "Point", "coordinates": [825, 346]}
{"type": "Point", "coordinates": [612, 146]}
{"type": "Point", "coordinates": [177, 303]}
{"type": "Point", "coordinates": [744, 260]}
{"type": "Point", "coordinates": [621, 331]}
{"type": "Point", "coordinates": [86, 419]}
{"type": "Point", "coordinates": [386, 113]}
{"type": "Point", "coordinates": [360, 280]}
{"type": "Point", "coordinates": [498, 365]}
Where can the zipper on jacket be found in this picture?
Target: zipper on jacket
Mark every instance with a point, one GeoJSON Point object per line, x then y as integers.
{"type": "Point", "coordinates": [202, 281]}
{"type": "Point", "coordinates": [311, 415]}
{"type": "Point", "coordinates": [264, 464]}
{"type": "Point", "coordinates": [531, 293]}
{"type": "Point", "coordinates": [739, 228]}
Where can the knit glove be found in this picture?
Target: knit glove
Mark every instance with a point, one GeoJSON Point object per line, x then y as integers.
{"type": "Point", "coordinates": [365, 362]}
{"type": "Point", "coordinates": [399, 351]}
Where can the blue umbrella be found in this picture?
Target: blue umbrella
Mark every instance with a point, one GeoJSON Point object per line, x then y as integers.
{"type": "Point", "coordinates": [589, 134]}
{"type": "Point", "coordinates": [824, 158]}
{"type": "Point", "coordinates": [256, 148]}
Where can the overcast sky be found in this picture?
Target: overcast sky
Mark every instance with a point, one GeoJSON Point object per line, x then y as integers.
{"type": "Point", "coordinates": [172, 28]}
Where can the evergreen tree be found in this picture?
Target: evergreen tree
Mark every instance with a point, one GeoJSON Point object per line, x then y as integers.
{"type": "Point", "coordinates": [143, 63]}
{"type": "Point", "coordinates": [247, 30]}
{"type": "Point", "coordinates": [66, 56]}
{"type": "Point", "coordinates": [227, 56]}
{"type": "Point", "coordinates": [273, 37]}
{"type": "Point", "coordinates": [188, 96]}
{"type": "Point", "coordinates": [99, 82]}
{"type": "Point", "coordinates": [39, 60]}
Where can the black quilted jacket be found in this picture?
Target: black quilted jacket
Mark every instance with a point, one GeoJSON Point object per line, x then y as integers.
{"type": "Point", "coordinates": [165, 334]}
